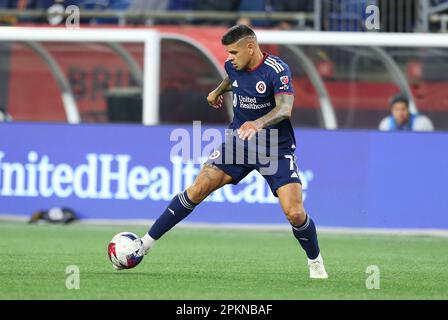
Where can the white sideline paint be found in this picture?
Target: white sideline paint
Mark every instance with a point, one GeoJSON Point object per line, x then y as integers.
{"type": "Point", "coordinates": [246, 226]}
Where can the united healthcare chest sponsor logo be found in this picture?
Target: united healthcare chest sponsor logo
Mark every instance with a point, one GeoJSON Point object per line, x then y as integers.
{"type": "Point", "coordinates": [112, 177]}
{"type": "Point", "coordinates": [250, 102]}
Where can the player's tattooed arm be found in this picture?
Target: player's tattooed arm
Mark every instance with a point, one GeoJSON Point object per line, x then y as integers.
{"type": "Point", "coordinates": [282, 111]}
{"type": "Point", "coordinates": [224, 87]}
{"type": "Point", "coordinates": [215, 97]}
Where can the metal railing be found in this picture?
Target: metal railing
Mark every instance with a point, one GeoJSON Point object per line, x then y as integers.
{"type": "Point", "coordinates": [332, 15]}
{"type": "Point", "coordinates": [350, 15]}
{"type": "Point", "coordinates": [430, 14]}
{"type": "Point", "coordinates": [130, 17]}
{"type": "Point", "coordinates": [441, 20]}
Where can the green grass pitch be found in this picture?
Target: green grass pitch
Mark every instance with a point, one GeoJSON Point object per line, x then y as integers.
{"type": "Point", "coordinates": [217, 264]}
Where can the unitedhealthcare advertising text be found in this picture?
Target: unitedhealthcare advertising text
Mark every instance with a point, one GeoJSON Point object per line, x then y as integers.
{"type": "Point", "coordinates": [362, 179]}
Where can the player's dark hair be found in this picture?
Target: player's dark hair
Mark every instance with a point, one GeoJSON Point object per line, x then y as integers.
{"type": "Point", "coordinates": [399, 98]}
{"type": "Point", "coordinates": [237, 33]}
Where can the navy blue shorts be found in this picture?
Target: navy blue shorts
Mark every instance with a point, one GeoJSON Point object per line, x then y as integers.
{"type": "Point", "coordinates": [281, 169]}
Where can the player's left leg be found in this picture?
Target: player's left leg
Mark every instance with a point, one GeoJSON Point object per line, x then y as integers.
{"type": "Point", "coordinates": [303, 228]}
{"type": "Point", "coordinates": [210, 178]}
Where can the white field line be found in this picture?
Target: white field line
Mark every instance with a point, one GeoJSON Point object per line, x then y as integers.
{"type": "Point", "coordinates": [244, 226]}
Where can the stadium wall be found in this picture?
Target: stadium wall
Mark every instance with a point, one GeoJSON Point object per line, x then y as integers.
{"type": "Point", "coordinates": [355, 179]}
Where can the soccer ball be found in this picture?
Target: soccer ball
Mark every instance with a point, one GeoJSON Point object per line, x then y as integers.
{"type": "Point", "coordinates": [123, 250]}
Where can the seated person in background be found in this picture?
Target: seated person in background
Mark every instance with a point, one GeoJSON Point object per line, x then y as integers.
{"type": "Point", "coordinates": [402, 119]}
{"type": "Point", "coordinates": [4, 116]}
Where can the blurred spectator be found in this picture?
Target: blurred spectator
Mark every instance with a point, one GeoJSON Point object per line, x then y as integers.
{"type": "Point", "coordinates": [274, 6]}
{"type": "Point", "coordinates": [18, 5]}
{"type": "Point", "coordinates": [179, 5]}
{"type": "Point", "coordinates": [60, 5]}
{"type": "Point", "coordinates": [293, 6]}
{"type": "Point", "coordinates": [255, 6]}
{"type": "Point", "coordinates": [56, 6]}
{"type": "Point", "coordinates": [344, 15]}
{"type": "Point", "coordinates": [117, 5]}
{"type": "Point", "coordinates": [45, 4]}
{"type": "Point", "coordinates": [402, 119]}
{"type": "Point", "coordinates": [148, 6]}
{"type": "Point", "coordinates": [97, 5]}
{"type": "Point", "coordinates": [434, 3]}
{"type": "Point", "coordinates": [216, 5]}
{"type": "Point", "coordinates": [7, 4]}
{"type": "Point", "coordinates": [105, 4]}
{"type": "Point", "coordinates": [38, 5]}
{"type": "Point", "coordinates": [161, 5]}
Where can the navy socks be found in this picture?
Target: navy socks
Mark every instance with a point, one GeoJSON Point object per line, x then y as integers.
{"type": "Point", "coordinates": [179, 208]}
{"type": "Point", "coordinates": [307, 236]}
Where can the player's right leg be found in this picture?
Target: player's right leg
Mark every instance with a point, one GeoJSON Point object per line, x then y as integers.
{"type": "Point", "coordinates": [209, 179]}
{"type": "Point", "coordinates": [304, 230]}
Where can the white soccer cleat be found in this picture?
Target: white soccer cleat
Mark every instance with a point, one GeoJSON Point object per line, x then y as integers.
{"type": "Point", "coordinates": [142, 251]}
{"type": "Point", "coordinates": [145, 244]}
{"type": "Point", "coordinates": [317, 268]}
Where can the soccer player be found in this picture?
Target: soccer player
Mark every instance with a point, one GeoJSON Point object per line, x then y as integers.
{"type": "Point", "coordinates": [263, 100]}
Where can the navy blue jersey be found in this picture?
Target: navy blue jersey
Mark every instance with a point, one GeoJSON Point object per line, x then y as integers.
{"type": "Point", "coordinates": [254, 95]}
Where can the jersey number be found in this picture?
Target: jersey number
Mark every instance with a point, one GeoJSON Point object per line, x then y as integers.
{"type": "Point", "coordinates": [291, 161]}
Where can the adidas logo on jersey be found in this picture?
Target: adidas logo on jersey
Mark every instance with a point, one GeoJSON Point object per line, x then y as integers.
{"type": "Point", "coordinates": [235, 84]}
{"type": "Point", "coordinates": [294, 175]}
